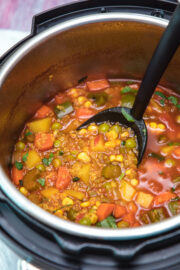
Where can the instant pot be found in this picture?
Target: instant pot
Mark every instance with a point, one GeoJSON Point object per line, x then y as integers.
{"type": "Point", "coordinates": [88, 39]}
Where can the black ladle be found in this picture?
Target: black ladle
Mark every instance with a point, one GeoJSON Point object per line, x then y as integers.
{"type": "Point", "coordinates": [165, 50]}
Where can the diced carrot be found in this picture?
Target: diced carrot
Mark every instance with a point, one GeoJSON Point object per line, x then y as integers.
{"type": "Point", "coordinates": [129, 218]}
{"type": "Point", "coordinates": [176, 152]}
{"type": "Point", "coordinates": [131, 207]}
{"type": "Point", "coordinates": [44, 111]}
{"type": "Point", "coordinates": [119, 211]}
{"type": "Point", "coordinates": [44, 141]}
{"type": "Point", "coordinates": [97, 85]}
{"type": "Point", "coordinates": [83, 113]}
{"type": "Point", "coordinates": [17, 175]}
{"type": "Point", "coordinates": [63, 178]}
{"type": "Point", "coordinates": [60, 98]}
{"type": "Point", "coordinates": [164, 197]}
{"type": "Point", "coordinates": [136, 224]}
{"type": "Point", "coordinates": [104, 210]}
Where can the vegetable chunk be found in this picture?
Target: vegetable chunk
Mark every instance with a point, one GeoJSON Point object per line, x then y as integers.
{"type": "Point", "coordinates": [63, 178]}
{"type": "Point", "coordinates": [44, 141]}
{"type": "Point", "coordinates": [127, 191]}
{"type": "Point", "coordinates": [97, 85]}
{"type": "Point", "coordinates": [33, 159]}
{"type": "Point", "coordinates": [144, 199]}
{"type": "Point", "coordinates": [42, 125]}
{"type": "Point", "coordinates": [104, 210]}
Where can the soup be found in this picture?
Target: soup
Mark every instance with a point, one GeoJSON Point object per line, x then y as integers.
{"type": "Point", "coordinates": [90, 176]}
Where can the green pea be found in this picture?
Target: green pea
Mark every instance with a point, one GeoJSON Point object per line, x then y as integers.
{"type": "Point", "coordinates": [20, 146]}
{"type": "Point", "coordinates": [56, 126]}
{"type": "Point", "coordinates": [56, 163]}
{"type": "Point", "coordinates": [130, 143]}
{"type": "Point", "coordinates": [40, 167]}
{"type": "Point", "coordinates": [116, 128]}
{"type": "Point", "coordinates": [127, 100]}
{"type": "Point", "coordinates": [85, 221]}
{"type": "Point", "coordinates": [57, 143]}
{"type": "Point", "coordinates": [104, 127]}
{"type": "Point", "coordinates": [111, 171]}
{"type": "Point", "coordinates": [71, 214]}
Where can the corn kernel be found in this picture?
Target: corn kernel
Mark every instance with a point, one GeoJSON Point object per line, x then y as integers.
{"type": "Point", "coordinates": [112, 157]}
{"type": "Point", "coordinates": [87, 104]}
{"type": "Point", "coordinates": [178, 119]}
{"type": "Point", "coordinates": [125, 134]}
{"type": "Point", "coordinates": [119, 158]}
{"type": "Point", "coordinates": [85, 204]}
{"type": "Point", "coordinates": [81, 99]}
{"type": "Point", "coordinates": [134, 182]}
{"type": "Point", "coordinates": [73, 92]}
{"type": "Point", "coordinates": [24, 191]}
{"type": "Point", "coordinates": [153, 125]}
{"type": "Point", "coordinates": [93, 217]}
{"type": "Point", "coordinates": [97, 204]}
{"type": "Point", "coordinates": [110, 144]}
{"type": "Point", "coordinates": [59, 212]}
{"type": "Point", "coordinates": [117, 142]}
{"type": "Point", "coordinates": [92, 127]}
{"type": "Point", "coordinates": [113, 184]}
{"type": "Point", "coordinates": [67, 201]}
{"type": "Point", "coordinates": [111, 135]}
{"type": "Point", "coordinates": [128, 172]}
{"type": "Point", "coordinates": [83, 131]}
{"type": "Point", "coordinates": [84, 157]}
{"type": "Point", "coordinates": [161, 126]}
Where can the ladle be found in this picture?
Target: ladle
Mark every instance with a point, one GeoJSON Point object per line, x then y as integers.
{"type": "Point", "coordinates": [132, 118]}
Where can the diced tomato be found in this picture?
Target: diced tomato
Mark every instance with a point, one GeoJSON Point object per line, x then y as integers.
{"type": "Point", "coordinates": [17, 175]}
{"type": "Point", "coordinates": [60, 98]}
{"type": "Point", "coordinates": [63, 178]}
{"type": "Point", "coordinates": [84, 113]}
{"type": "Point", "coordinates": [129, 218]}
{"type": "Point", "coordinates": [119, 211]}
{"type": "Point", "coordinates": [164, 197]}
{"type": "Point", "coordinates": [44, 111]}
{"type": "Point", "coordinates": [97, 85]}
{"type": "Point", "coordinates": [104, 210]}
{"type": "Point", "coordinates": [171, 126]}
{"type": "Point", "coordinates": [44, 141]}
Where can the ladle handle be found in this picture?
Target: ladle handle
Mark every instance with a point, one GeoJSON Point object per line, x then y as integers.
{"type": "Point", "coordinates": [164, 52]}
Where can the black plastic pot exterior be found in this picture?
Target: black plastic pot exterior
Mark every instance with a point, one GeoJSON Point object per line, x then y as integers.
{"type": "Point", "coordinates": [37, 241]}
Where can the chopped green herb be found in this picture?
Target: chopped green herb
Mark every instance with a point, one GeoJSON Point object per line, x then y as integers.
{"type": "Point", "coordinates": [175, 199]}
{"type": "Point", "coordinates": [123, 143]}
{"type": "Point", "coordinates": [24, 158]}
{"type": "Point", "coordinates": [28, 133]}
{"type": "Point", "coordinates": [161, 173]}
{"type": "Point", "coordinates": [41, 181]}
{"type": "Point", "coordinates": [75, 179]}
{"type": "Point", "coordinates": [121, 176]}
{"type": "Point", "coordinates": [157, 156]}
{"type": "Point", "coordinates": [162, 102]}
{"type": "Point", "coordinates": [47, 161]}
{"type": "Point", "coordinates": [109, 222]}
{"type": "Point", "coordinates": [128, 89]}
{"type": "Point", "coordinates": [18, 165]}
{"type": "Point", "coordinates": [129, 82]}
{"type": "Point", "coordinates": [173, 189]}
{"type": "Point", "coordinates": [144, 131]}
{"type": "Point", "coordinates": [61, 153]}
{"type": "Point", "coordinates": [160, 94]}
{"type": "Point", "coordinates": [178, 106]}
{"type": "Point", "coordinates": [173, 100]}
{"type": "Point", "coordinates": [174, 143]}
{"type": "Point", "coordinates": [127, 115]}
{"type": "Point", "coordinates": [21, 183]}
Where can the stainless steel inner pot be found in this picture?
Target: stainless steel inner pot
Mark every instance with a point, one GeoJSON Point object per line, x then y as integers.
{"type": "Point", "coordinates": [114, 45]}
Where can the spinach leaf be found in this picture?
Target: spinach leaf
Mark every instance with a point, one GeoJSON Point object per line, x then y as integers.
{"type": "Point", "coordinates": [108, 222]}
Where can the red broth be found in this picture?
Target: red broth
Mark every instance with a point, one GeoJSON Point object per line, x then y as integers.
{"type": "Point", "coordinates": [90, 176]}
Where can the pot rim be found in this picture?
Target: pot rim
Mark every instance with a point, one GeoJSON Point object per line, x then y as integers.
{"type": "Point", "coordinates": [33, 210]}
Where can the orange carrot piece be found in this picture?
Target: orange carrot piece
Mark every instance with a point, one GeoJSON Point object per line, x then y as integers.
{"type": "Point", "coordinates": [43, 112]}
{"type": "Point", "coordinates": [164, 197]}
{"type": "Point", "coordinates": [129, 218]}
{"type": "Point", "coordinates": [97, 85]}
{"type": "Point", "coordinates": [83, 113]}
{"type": "Point", "coordinates": [131, 207]}
{"type": "Point", "coordinates": [176, 152]}
{"type": "Point", "coordinates": [119, 211]}
{"type": "Point", "coordinates": [60, 98]}
{"type": "Point", "coordinates": [136, 224]}
{"type": "Point", "coordinates": [44, 141]}
{"type": "Point", "coordinates": [17, 175]}
{"type": "Point", "coordinates": [63, 178]}
{"type": "Point", "coordinates": [104, 210]}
